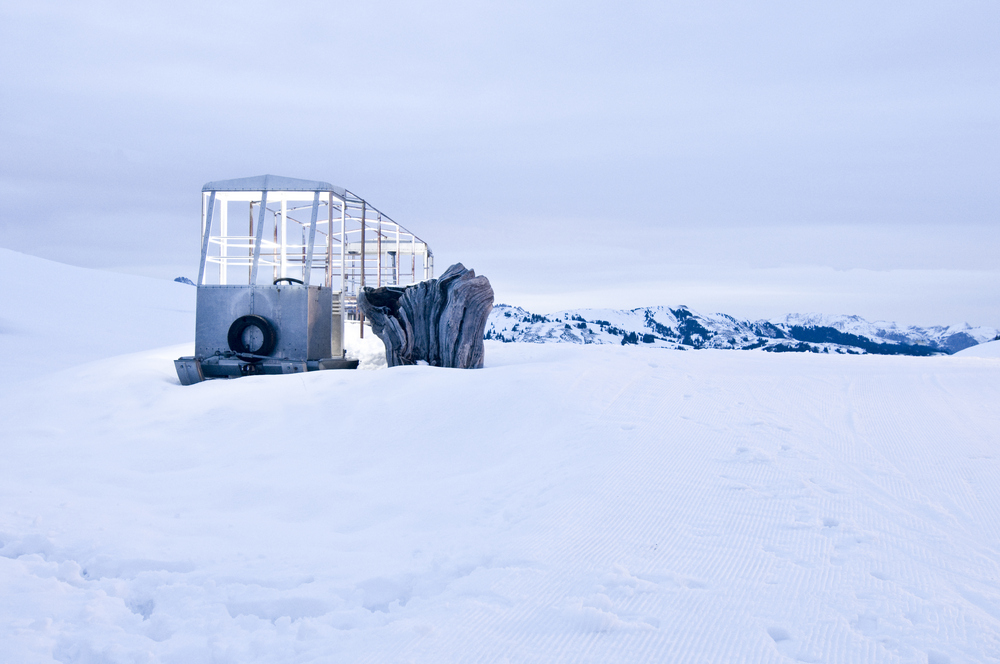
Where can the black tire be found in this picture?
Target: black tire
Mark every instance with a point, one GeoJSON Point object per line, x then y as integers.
{"type": "Point", "coordinates": [240, 325]}
{"type": "Point", "coordinates": [291, 280]}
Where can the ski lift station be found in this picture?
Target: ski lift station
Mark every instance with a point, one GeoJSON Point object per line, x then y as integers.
{"type": "Point", "coordinates": [282, 262]}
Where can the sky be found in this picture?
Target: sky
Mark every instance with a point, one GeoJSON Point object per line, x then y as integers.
{"type": "Point", "coordinates": [752, 158]}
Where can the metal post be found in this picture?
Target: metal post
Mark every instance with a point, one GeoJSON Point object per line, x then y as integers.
{"type": "Point", "coordinates": [343, 244]}
{"type": "Point", "coordinates": [275, 256]}
{"type": "Point", "coordinates": [312, 240]}
{"type": "Point", "coordinates": [283, 268]}
{"type": "Point", "coordinates": [250, 246]}
{"type": "Point", "coordinates": [204, 241]}
{"type": "Point", "coordinates": [363, 247]}
{"type": "Point", "coordinates": [204, 204]}
{"type": "Point", "coordinates": [258, 238]}
{"type": "Point", "coordinates": [328, 275]}
{"type": "Point", "coordinates": [395, 261]}
{"type": "Point", "coordinates": [378, 260]}
{"type": "Point", "coordinates": [364, 252]}
{"type": "Point", "coordinates": [224, 237]}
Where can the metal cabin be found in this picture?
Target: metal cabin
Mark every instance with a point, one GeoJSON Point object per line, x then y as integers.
{"type": "Point", "coordinates": [282, 262]}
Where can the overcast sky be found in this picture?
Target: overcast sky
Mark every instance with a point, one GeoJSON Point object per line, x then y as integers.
{"type": "Point", "coordinates": [754, 158]}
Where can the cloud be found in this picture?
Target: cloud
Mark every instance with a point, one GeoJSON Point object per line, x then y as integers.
{"type": "Point", "coordinates": [652, 127]}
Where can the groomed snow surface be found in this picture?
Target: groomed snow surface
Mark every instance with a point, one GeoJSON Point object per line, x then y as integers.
{"type": "Point", "coordinates": [565, 504]}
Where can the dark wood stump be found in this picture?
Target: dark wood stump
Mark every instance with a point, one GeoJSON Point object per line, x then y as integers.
{"type": "Point", "coordinates": [440, 321]}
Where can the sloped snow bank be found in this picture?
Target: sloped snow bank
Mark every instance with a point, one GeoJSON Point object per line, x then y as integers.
{"type": "Point", "coordinates": [566, 503]}
{"type": "Point", "coordinates": [990, 349]}
{"type": "Point", "coordinates": [54, 315]}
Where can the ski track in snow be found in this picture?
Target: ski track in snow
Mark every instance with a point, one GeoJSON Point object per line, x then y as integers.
{"type": "Point", "coordinates": [592, 504]}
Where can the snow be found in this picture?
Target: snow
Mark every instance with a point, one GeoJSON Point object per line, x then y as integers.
{"type": "Point", "coordinates": [592, 503]}
{"type": "Point", "coordinates": [990, 350]}
{"type": "Point", "coordinates": [368, 349]}
{"type": "Point", "coordinates": [53, 315]}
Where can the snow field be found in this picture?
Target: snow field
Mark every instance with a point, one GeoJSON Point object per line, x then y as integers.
{"type": "Point", "coordinates": [990, 349]}
{"type": "Point", "coordinates": [54, 316]}
{"type": "Point", "coordinates": [566, 503]}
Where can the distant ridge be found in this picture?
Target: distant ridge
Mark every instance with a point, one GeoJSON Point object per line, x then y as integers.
{"type": "Point", "coordinates": [681, 328]}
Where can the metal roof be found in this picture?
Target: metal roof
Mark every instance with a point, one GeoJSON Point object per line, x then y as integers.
{"type": "Point", "coordinates": [272, 183]}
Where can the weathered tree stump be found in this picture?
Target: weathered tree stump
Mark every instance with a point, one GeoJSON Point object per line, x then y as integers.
{"type": "Point", "coordinates": [440, 321]}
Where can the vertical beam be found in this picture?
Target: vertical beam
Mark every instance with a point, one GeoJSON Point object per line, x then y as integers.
{"type": "Point", "coordinates": [259, 237]}
{"type": "Point", "coordinates": [312, 239]}
{"type": "Point", "coordinates": [204, 205]}
{"type": "Point", "coordinates": [395, 262]}
{"type": "Point", "coordinates": [329, 240]}
{"type": "Point", "coordinates": [224, 237]}
{"type": "Point", "coordinates": [205, 236]}
{"type": "Point", "coordinates": [378, 247]}
{"type": "Point", "coordinates": [363, 248]}
{"type": "Point", "coordinates": [250, 245]}
{"type": "Point", "coordinates": [283, 269]}
{"type": "Point", "coordinates": [361, 315]}
{"type": "Point", "coordinates": [413, 259]}
{"type": "Point", "coordinates": [343, 245]}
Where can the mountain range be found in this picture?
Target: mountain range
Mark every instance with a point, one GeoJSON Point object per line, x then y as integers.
{"type": "Point", "coordinates": [683, 329]}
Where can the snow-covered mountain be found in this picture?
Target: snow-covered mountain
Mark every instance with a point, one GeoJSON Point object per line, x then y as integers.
{"type": "Point", "coordinates": [683, 328]}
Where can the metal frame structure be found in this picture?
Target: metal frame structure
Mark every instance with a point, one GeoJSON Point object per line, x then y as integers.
{"type": "Point", "coordinates": [330, 245]}
{"type": "Point", "coordinates": [307, 251]}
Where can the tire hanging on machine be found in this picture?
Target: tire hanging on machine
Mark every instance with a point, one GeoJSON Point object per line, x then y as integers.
{"type": "Point", "coordinates": [240, 325]}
